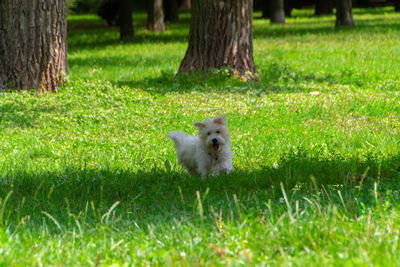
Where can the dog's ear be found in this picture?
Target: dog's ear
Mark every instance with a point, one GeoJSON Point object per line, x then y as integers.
{"type": "Point", "coordinates": [199, 125]}
{"type": "Point", "coordinates": [220, 120]}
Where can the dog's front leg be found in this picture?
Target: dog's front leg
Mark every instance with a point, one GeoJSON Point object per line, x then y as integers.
{"type": "Point", "coordinates": [215, 170]}
{"type": "Point", "coordinates": [229, 167]}
{"type": "Point", "coordinates": [226, 167]}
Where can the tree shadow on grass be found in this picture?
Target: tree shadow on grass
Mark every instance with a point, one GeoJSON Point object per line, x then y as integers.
{"type": "Point", "coordinates": [165, 195]}
{"type": "Point", "coordinates": [105, 62]}
{"type": "Point", "coordinates": [18, 115]}
{"type": "Point", "coordinates": [15, 115]}
{"type": "Point", "coordinates": [273, 77]}
{"type": "Point", "coordinates": [368, 26]}
{"type": "Point", "coordinates": [91, 34]}
{"type": "Point", "coordinates": [373, 10]}
{"type": "Point", "coordinates": [101, 38]}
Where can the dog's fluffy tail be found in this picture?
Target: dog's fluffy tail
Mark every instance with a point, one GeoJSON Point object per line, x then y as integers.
{"type": "Point", "coordinates": [177, 137]}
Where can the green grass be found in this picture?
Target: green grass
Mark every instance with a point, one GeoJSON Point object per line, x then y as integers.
{"type": "Point", "coordinates": [88, 176]}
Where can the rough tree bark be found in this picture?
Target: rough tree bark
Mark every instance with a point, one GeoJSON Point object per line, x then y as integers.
{"type": "Point", "coordinates": [125, 20]}
{"type": "Point", "coordinates": [323, 7]}
{"type": "Point", "coordinates": [344, 14]}
{"type": "Point", "coordinates": [277, 11]}
{"type": "Point", "coordinates": [33, 44]}
{"type": "Point", "coordinates": [221, 34]}
{"type": "Point", "coordinates": [155, 15]}
{"type": "Point", "coordinates": [171, 10]}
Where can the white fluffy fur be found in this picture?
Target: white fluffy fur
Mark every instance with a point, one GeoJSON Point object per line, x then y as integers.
{"type": "Point", "coordinates": [207, 153]}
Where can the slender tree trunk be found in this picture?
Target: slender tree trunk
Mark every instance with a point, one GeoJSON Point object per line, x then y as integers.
{"type": "Point", "coordinates": [221, 35]}
{"type": "Point", "coordinates": [171, 10]}
{"type": "Point", "coordinates": [125, 20]}
{"type": "Point", "coordinates": [277, 11]}
{"type": "Point", "coordinates": [186, 5]}
{"type": "Point", "coordinates": [397, 6]}
{"type": "Point", "coordinates": [33, 44]}
{"type": "Point", "coordinates": [344, 14]}
{"type": "Point", "coordinates": [155, 16]}
{"type": "Point", "coordinates": [323, 7]}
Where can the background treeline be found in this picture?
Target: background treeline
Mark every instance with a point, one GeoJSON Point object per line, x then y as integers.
{"type": "Point", "coordinates": [91, 6]}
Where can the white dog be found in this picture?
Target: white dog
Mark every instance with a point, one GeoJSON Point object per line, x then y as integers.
{"type": "Point", "coordinates": [207, 153]}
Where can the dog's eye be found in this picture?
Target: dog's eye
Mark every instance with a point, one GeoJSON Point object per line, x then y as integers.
{"type": "Point", "coordinates": [217, 132]}
{"type": "Point", "coordinates": [208, 133]}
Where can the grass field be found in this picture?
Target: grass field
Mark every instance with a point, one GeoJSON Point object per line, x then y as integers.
{"type": "Point", "coordinates": [88, 176]}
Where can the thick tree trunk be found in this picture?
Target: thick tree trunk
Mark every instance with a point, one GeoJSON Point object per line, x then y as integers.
{"type": "Point", "coordinates": [155, 15]}
{"type": "Point", "coordinates": [125, 20]}
{"type": "Point", "coordinates": [33, 44]}
{"type": "Point", "coordinates": [397, 6]}
{"type": "Point", "coordinates": [323, 7]}
{"type": "Point", "coordinates": [277, 11]}
{"type": "Point", "coordinates": [186, 5]}
{"type": "Point", "coordinates": [344, 14]}
{"type": "Point", "coordinates": [221, 34]}
{"type": "Point", "coordinates": [171, 10]}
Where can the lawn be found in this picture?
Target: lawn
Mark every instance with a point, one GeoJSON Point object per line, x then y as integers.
{"type": "Point", "coordinates": [88, 176]}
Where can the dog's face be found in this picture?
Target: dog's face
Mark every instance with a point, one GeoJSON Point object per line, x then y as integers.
{"type": "Point", "coordinates": [213, 133]}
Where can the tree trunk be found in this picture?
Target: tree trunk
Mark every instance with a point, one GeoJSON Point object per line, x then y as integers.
{"type": "Point", "coordinates": [277, 11]}
{"type": "Point", "coordinates": [171, 10]}
{"type": "Point", "coordinates": [323, 7]}
{"type": "Point", "coordinates": [155, 15]}
{"type": "Point", "coordinates": [221, 35]}
{"type": "Point", "coordinates": [344, 14]}
{"type": "Point", "coordinates": [186, 5]}
{"type": "Point", "coordinates": [397, 6]}
{"type": "Point", "coordinates": [33, 44]}
{"type": "Point", "coordinates": [125, 20]}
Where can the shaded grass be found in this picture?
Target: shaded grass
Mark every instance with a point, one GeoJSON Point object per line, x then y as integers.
{"type": "Point", "coordinates": [88, 176]}
{"type": "Point", "coordinates": [168, 218]}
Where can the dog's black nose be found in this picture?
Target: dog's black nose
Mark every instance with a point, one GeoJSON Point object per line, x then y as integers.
{"type": "Point", "coordinates": [215, 140]}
